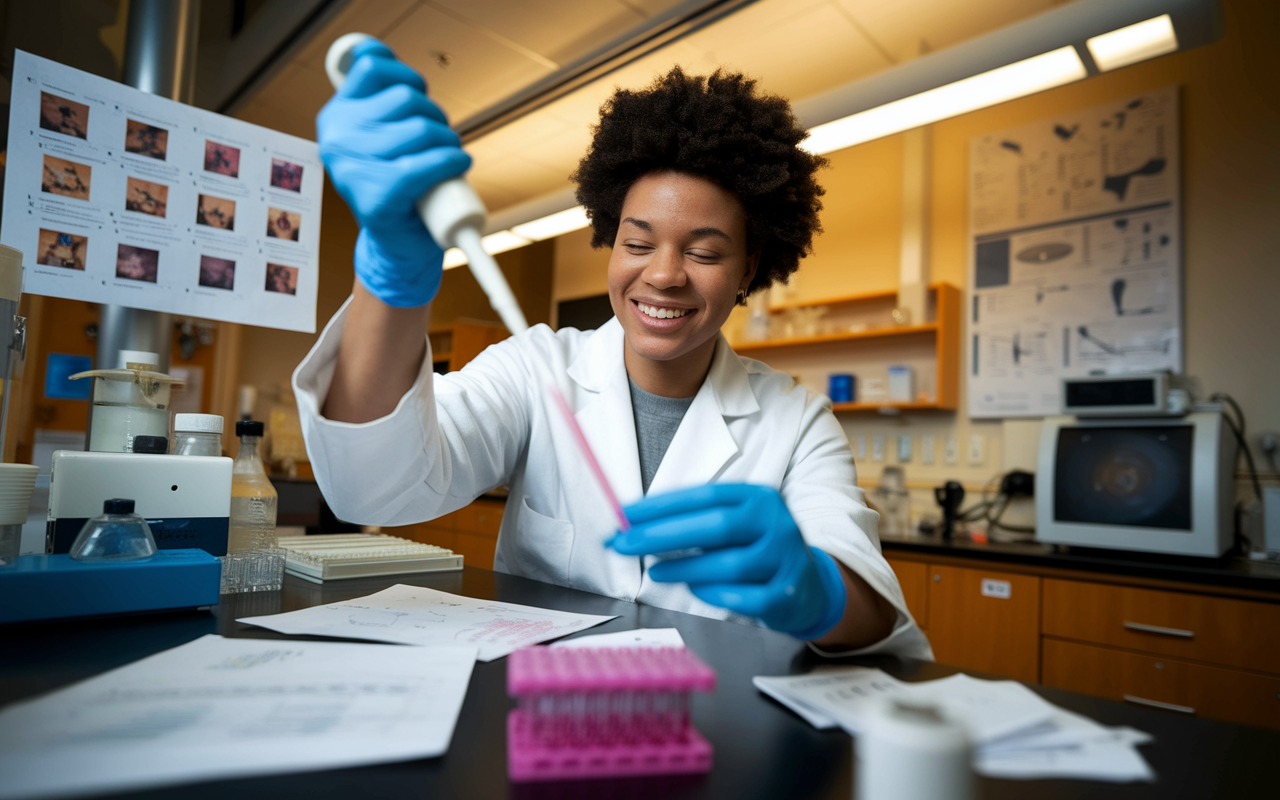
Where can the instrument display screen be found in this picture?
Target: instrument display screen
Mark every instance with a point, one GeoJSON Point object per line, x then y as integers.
{"type": "Point", "coordinates": [1138, 476]}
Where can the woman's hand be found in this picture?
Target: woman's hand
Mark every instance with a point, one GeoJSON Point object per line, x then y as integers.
{"type": "Point", "coordinates": [753, 560]}
{"type": "Point", "coordinates": [385, 144]}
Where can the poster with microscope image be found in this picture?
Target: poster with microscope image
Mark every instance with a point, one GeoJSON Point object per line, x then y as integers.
{"type": "Point", "coordinates": [1075, 264]}
{"type": "Point", "coordinates": [118, 196]}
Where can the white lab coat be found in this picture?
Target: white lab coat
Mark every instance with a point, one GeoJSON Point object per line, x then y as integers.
{"type": "Point", "coordinates": [453, 437]}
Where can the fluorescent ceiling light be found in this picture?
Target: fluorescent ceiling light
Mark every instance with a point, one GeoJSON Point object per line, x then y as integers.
{"type": "Point", "coordinates": [554, 224]}
{"type": "Point", "coordinates": [987, 89]}
{"type": "Point", "coordinates": [1138, 42]}
{"type": "Point", "coordinates": [453, 257]}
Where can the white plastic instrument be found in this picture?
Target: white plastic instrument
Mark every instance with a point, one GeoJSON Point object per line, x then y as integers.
{"type": "Point", "coordinates": [452, 211]}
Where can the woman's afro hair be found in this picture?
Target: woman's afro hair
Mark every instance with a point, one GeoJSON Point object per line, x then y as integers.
{"type": "Point", "coordinates": [717, 127]}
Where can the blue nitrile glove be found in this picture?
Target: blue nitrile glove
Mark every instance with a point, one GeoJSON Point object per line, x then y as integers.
{"type": "Point", "coordinates": [385, 144]}
{"type": "Point", "coordinates": [753, 560]}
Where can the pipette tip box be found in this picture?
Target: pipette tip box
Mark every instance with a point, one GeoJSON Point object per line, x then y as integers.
{"type": "Point", "coordinates": [332, 557]}
{"type": "Point", "coordinates": [604, 712]}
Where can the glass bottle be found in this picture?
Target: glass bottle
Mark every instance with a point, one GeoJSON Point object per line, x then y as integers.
{"type": "Point", "coordinates": [253, 562]}
{"type": "Point", "coordinates": [197, 435]}
{"type": "Point", "coordinates": [117, 534]}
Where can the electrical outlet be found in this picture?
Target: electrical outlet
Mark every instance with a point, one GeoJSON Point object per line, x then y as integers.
{"type": "Point", "coordinates": [928, 448]}
{"type": "Point", "coordinates": [977, 448]}
{"type": "Point", "coordinates": [904, 448]}
{"type": "Point", "coordinates": [951, 451]}
{"type": "Point", "coordinates": [861, 452]}
{"type": "Point", "coordinates": [877, 447]}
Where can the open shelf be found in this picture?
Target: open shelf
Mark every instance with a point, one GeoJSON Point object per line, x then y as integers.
{"type": "Point", "coordinates": [932, 345]}
{"type": "Point", "coordinates": [871, 333]}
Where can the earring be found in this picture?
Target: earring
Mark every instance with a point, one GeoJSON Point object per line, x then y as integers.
{"type": "Point", "coordinates": [742, 297]}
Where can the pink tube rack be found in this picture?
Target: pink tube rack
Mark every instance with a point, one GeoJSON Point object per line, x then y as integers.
{"type": "Point", "coordinates": [601, 712]}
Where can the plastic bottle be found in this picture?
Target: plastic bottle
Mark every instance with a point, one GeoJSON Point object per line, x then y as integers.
{"type": "Point", "coordinates": [253, 562]}
{"type": "Point", "coordinates": [197, 435]}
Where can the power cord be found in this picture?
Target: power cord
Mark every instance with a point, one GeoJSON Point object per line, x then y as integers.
{"type": "Point", "coordinates": [1237, 428]}
{"type": "Point", "coordinates": [991, 509]}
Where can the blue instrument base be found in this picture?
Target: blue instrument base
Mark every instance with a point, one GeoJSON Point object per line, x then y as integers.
{"type": "Point", "coordinates": [58, 586]}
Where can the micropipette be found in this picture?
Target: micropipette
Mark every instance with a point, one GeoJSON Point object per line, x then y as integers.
{"type": "Point", "coordinates": [581, 438]}
{"type": "Point", "coordinates": [452, 211]}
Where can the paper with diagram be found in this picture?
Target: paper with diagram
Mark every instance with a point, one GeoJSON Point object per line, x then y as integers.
{"type": "Point", "coordinates": [419, 616]}
{"type": "Point", "coordinates": [1075, 258]}
{"type": "Point", "coordinates": [224, 708]}
{"type": "Point", "coordinates": [117, 196]}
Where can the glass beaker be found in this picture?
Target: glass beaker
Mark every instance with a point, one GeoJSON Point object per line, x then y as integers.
{"type": "Point", "coordinates": [127, 403]}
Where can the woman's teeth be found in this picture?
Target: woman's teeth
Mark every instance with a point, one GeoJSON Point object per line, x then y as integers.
{"type": "Point", "coordinates": [662, 313]}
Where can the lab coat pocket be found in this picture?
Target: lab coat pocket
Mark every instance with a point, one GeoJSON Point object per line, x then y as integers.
{"type": "Point", "coordinates": [541, 547]}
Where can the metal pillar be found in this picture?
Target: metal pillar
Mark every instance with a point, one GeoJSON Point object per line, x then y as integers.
{"type": "Point", "coordinates": [159, 58]}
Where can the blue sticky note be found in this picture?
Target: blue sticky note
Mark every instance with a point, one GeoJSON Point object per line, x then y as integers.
{"type": "Point", "coordinates": [59, 368]}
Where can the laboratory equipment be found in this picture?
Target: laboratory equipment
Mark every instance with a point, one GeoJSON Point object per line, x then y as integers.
{"type": "Point", "coordinates": [117, 534]}
{"type": "Point", "coordinates": [127, 403]}
{"type": "Point", "coordinates": [841, 388]}
{"type": "Point", "coordinates": [902, 384]}
{"type": "Point", "coordinates": [58, 586]}
{"type": "Point", "coordinates": [253, 563]}
{"type": "Point", "coordinates": [604, 712]}
{"type": "Point", "coordinates": [197, 435]}
{"type": "Point", "coordinates": [13, 330]}
{"type": "Point", "coordinates": [360, 555]}
{"type": "Point", "coordinates": [893, 501]}
{"type": "Point", "coordinates": [185, 499]}
{"type": "Point", "coordinates": [452, 211]}
{"type": "Point", "coordinates": [911, 749]}
{"type": "Point", "coordinates": [950, 495]}
{"type": "Point", "coordinates": [17, 482]}
{"type": "Point", "coordinates": [1160, 483]}
{"type": "Point", "coordinates": [1134, 395]}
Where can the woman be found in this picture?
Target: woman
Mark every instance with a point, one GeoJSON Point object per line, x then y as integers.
{"type": "Point", "coordinates": [743, 480]}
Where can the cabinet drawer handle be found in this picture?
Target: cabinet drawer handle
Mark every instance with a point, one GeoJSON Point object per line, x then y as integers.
{"type": "Point", "coordinates": [1128, 698]}
{"type": "Point", "coordinates": [1181, 634]}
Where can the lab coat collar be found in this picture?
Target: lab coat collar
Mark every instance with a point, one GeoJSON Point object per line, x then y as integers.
{"type": "Point", "coordinates": [600, 361]}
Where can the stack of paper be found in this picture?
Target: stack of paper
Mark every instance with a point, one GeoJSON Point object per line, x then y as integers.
{"type": "Point", "coordinates": [1015, 732]}
{"type": "Point", "coordinates": [425, 617]}
{"type": "Point", "coordinates": [227, 708]}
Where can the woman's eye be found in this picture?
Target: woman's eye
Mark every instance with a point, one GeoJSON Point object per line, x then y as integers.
{"type": "Point", "coordinates": [702, 256]}
{"type": "Point", "coordinates": [638, 249]}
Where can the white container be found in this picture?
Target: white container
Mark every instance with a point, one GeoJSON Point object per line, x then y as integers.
{"type": "Point", "coordinates": [913, 752]}
{"type": "Point", "coordinates": [17, 481]}
{"type": "Point", "coordinates": [902, 384]}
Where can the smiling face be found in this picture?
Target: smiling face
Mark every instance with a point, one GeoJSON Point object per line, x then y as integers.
{"type": "Point", "coordinates": [677, 265]}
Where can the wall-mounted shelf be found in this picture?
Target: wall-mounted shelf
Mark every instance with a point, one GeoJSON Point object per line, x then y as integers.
{"type": "Point", "coordinates": [936, 340]}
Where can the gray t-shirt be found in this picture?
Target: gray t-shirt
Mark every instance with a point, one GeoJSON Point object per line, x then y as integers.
{"type": "Point", "coordinates": [657, 419]}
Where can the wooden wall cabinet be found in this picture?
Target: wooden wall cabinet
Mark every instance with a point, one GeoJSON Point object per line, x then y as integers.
{"type": "Point", "coordinates": [914, 578]}
{"type": "Point", "coordinates": [471, 532]}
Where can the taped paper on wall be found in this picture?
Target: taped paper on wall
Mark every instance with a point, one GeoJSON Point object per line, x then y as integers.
{"type": "Point", "coordinates": [1075, 257]}
{"type": "Point", "coordinates": [117, 196]}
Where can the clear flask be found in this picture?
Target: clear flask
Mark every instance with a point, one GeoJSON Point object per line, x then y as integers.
{"type": "Point", "coordinates": [117, 535]}
{"type": "Point", "coordinates": [253, 562]}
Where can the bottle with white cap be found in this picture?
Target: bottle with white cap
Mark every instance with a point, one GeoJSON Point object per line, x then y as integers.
{"type": "Point", "coordinates": [197, 435]}
{"type": "Point", "coordinates": [909, 751]}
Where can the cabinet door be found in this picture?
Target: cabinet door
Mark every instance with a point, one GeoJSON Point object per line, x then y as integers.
{"type": "Point", "coordinates": [1230, 695]}
{"type": "Point", "coordinates": [914, 578]}
{"type": "Point", "coordinates": [987, 621]}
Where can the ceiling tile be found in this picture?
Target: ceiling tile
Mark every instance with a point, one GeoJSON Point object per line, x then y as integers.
{"type": "Point", "coordinates": [560, 30]}
{"type": "Point", "coordinates": [482, 70]}
{"type": "Point", "coordinates": [374, 17]}
{"type": "Point", "coordinates": [900, 25]}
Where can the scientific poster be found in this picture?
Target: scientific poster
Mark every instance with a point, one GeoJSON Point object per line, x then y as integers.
{"type": "Point", "coordinates": [1075, 258]}
{"type": "Point", "coordinates": [117, 196]}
